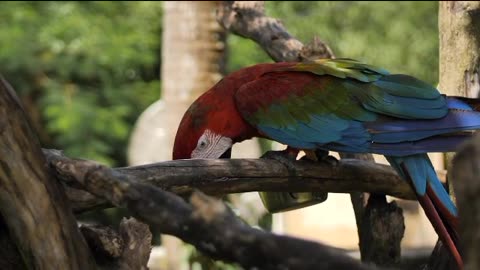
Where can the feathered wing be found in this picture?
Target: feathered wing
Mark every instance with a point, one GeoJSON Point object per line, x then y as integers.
{"type": "Point", "coordinates": [381, 113]}
{"type": "Point", "coordinates": [344, 105]}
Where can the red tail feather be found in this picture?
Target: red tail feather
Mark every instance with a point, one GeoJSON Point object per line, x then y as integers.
{"type": "Point", "coordinates": [445, 227]}
{"type": "Point", "coordinates": [442, 221]}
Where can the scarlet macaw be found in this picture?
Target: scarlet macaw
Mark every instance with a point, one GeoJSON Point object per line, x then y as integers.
{"type": "Point", "coordinates": [339, 105]}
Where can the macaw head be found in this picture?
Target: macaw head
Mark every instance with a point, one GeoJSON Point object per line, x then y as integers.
{"type": "Point", "coordinates": [200, 134]}
{"type": "Point", "coordinates": [211, 126]}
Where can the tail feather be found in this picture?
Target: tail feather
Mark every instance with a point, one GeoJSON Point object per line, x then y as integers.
{"type": "Point", "coordinates": [442, 226]}
{"type": "Point", "coordinates": [421, 171]}
{"type": "Point", "coordinates": [434, 199]}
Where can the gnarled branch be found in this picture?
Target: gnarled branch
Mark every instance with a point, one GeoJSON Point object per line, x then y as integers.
{"type": "Point", "coordinates": [248, 19]}
{"type": "Point", "coordinates": [205, 222]}
{"type": "Point", "coordinates": [218, 177]}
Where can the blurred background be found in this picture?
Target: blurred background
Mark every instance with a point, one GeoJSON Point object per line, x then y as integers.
{"type": "Point", "coordinates": [109, 81]}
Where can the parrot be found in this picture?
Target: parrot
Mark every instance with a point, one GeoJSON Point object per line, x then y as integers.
{"type": "Point", "coordinates": [341, 105]}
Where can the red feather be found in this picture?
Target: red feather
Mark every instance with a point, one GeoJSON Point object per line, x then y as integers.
{"type": "Point", "coordinates": [216, 110]}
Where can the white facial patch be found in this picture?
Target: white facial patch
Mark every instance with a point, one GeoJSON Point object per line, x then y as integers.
{"type": "Point", "coordinates": [211, 145]}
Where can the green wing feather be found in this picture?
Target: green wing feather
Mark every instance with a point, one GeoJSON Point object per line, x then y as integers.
{"type": "Point", "coordinates": [341, 68]}
{"type": "Point", "coordinates": [394, 95]}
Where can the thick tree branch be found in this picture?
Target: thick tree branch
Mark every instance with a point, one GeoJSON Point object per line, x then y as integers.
{"type": "Point", "coordinates": [33, 206]}
{"type": "Point", "coordinates": [206, 223]}
{"type": "Point", "coordinates": [247, 19]}
{"type": "Point", "coordinates": [218, 177]}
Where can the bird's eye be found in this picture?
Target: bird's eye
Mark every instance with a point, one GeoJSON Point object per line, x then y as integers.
{"type": "Point", "coordinates": [202, 142]}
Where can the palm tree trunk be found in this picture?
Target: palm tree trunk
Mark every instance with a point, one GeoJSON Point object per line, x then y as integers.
{"type": "Point", "coordinates": [193, 60]}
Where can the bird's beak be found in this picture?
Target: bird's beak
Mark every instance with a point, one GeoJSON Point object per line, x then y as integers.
{"type": "Point", "coordinates": [227, 154]}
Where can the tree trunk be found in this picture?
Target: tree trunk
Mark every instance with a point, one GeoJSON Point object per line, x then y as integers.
{"type": "Point", "coordinates": [466, 170]}
{"type": "Point", "coordinates": [192, 61]}
{"type": "Point", "coordinates": [459, 23]}
{"type": "Point", "coordinates": [33, 205]}
{"type": "Point", "coordinates": [459, 28]}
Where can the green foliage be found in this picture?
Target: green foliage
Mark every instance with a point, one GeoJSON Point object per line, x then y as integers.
{"type": "Point", "coordinates": [91, 68]}
{"type": "Point", "coordinates": [401, 36]}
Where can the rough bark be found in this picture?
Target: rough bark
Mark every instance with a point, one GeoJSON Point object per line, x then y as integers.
{"type": "Point", "coordinates": [466, 172]}
{"type": "Point", "coordinates": [10, 257]}
{"type": "Point", "coordinates": [248, 19]}
{"type": "Point", "coordinates": [219, 177]}
{"type": "Point", "coordinates": [381, 231]}
{"type": "Point", "coordinates": [126, 249]}
{"type": "Point", "coordinates": [208, 224]}
{"type": "Point", "coordinates": [459, 28]}
{"type": "Point", "coordinates": [34, 208]}
{"type": "Point", "coordinates": [380, 224]}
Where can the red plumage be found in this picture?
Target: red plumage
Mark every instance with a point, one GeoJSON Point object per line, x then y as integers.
{"type": "Point", "coordinates": [218, 106]}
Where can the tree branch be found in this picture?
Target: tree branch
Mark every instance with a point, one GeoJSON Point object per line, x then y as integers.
{"type": "Point", "coordinates": [206, 223]}
{"type": "Point", "coordinates": [219, 177]}
{"type": "Point", "coordinates": [247, 19]}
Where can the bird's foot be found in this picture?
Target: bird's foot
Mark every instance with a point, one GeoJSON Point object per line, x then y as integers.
{"type": "Point", "coordinates": [286, 157]}
{"type": "Point", "coordinates": [320, 155]}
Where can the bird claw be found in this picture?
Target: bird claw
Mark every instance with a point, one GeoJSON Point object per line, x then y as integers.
{"type": "Point", "coordinates": [281, 156]}
{"type": "Point", "coordinates": [331, 160]}
{"type": "Point", "coordinates": [321, 156]}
